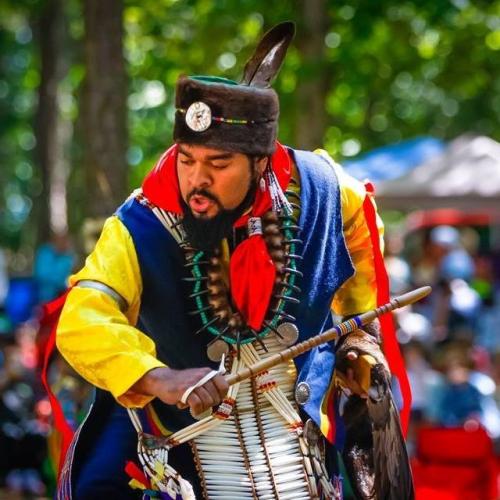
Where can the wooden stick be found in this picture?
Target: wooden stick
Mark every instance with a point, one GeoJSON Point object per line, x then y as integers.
{"type": "Point", "coordinates": [341, 329]}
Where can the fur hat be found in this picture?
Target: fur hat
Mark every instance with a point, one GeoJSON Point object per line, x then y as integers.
{"type": "Point", "coordinates": [240, 117]}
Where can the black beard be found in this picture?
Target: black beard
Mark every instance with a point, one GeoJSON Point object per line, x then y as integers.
{"type": "Point", "coordinates": [207, 234]}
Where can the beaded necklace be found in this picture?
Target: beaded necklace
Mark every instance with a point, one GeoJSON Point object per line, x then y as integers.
{"type": "Point", "coordinates": [212, 298]}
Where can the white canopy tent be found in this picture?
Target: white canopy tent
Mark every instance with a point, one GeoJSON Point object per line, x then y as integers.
{"type": "Point", "coordinates": [465, 176]}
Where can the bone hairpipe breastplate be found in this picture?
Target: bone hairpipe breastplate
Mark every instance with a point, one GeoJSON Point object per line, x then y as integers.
{"type": "Point", "coordinates": [260, 451]}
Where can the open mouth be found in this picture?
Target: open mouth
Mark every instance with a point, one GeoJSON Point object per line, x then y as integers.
{"type": "Point", "coordinates": [200, 204]}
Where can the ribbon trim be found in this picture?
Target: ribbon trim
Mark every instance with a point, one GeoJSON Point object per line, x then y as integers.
{"type": "Point", "coordinates": [50, 318]}
{"type": "Point", "coordinates": [390, 343]}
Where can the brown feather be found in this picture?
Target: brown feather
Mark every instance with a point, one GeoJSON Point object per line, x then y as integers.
{"type": "Point", "coordinates": [393, 479]}
{"type": "Point", "coordinates": [375, 454]}
{"type": "Point", "coordinates": [266, 61]}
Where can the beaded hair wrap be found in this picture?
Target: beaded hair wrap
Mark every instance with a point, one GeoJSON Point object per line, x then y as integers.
{"type": "Point", "coordinates": [254, 226]}
{"type": "Point", "coordinates": [278, 198]}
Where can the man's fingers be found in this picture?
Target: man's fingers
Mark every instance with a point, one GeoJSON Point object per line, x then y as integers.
{"type": "Point", "coordinates": [221, 384]}
{"type": "Point", "coordinates": [214, 393]}
{"type": "Point", "coordinates": [353, 384]}
{"type": "Point", "coordinates": [196, 375]}
{"type": "Point", "coordinates": [205, 397]}
{"type": "Point", "coordinates": [195, 403]}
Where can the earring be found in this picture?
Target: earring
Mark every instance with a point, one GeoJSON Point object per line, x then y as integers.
{"type": "Point", "coordinates": [262, 184]}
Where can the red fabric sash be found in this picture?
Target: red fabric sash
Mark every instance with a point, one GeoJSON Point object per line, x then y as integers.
{"type": "Point", "coordinates": [390, 343]}
{"type": "Point", "coordinates": [252, 271]}
{"type": "Point", "coordinates": [48, 322]}
{"type": "Point", "coordinates": [252, 274]}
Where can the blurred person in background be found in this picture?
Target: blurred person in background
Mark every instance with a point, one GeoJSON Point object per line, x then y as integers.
{"type": "Point", "coordinates": [462, 303]}
{"type": "Point", "coordinates": [421, 375]}
{"type": "Point", "coordinates": [487, 335]}
{"type": "Point", "coordinates": [54, 262]}
{"type": "Point", "coordinates": [437, 243]}
{"type": "Point", "coordinates": [22, 434]}
{"type": "Point", "coordinates": [398, 269]}
{"type": "Point", "coordinates": [463, 396]}
{"type": "Point", "coordinates": [411, 324]}
{"type": "Point", "coordinates": [425, 271]}
{"type": "Point", "coordinates": [454, 305]}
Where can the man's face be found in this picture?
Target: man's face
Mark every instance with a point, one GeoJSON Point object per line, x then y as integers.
{"type": "Point", "coordinates": [212, 180]}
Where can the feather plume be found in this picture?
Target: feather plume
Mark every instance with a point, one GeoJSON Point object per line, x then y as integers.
{"type": "Point", "coordinates": [266, 61]}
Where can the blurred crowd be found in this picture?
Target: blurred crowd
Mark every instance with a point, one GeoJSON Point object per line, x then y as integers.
{"type": "Point", "coordinates": [450, 343]}
{"type": "Point", "coordinates": [29, 447]}
{"type": "Point", "coordinates": [451, 340]}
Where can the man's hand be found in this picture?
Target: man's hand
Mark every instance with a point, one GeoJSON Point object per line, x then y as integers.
{"type": "Point", "coordinates": [169, 385]}
{"type": "Point", "coordinates": [356, 355]}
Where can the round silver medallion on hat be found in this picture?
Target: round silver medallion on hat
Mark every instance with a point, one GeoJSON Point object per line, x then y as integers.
{"type": "Point", "coordinates": [216, 350]}
{"type": "Point", "coordinates": [302, 393]}
{"type": "Point", "coordinates": [289, 334]}
{"type": "Point", "coordinates": [198, 116]}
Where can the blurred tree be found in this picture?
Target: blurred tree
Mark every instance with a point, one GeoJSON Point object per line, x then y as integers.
{"type": "Point", "coordinates": [104, 108]}
{"type": "Point", "coordinates": [360, 74]}
{"type": "Point", "coordinates": [311, 116]}
{"type": "Point", "coordinates": [49, 127]}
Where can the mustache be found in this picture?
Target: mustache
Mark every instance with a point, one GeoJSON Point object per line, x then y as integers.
{"type": "Point", "coordinates": [205, 193]}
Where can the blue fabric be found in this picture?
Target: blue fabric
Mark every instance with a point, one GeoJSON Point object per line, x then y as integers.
{"type": "Point", "coordinates": [21, 299]}
{"type": "Point", "coordinates": [102, 475]}
{"type": "Point", "coordinates": [458, 403]}
{"type": "Point", "coordinates": [95, 463]}
{"type": "Point", "coordinates": [326, 266]}
{"type": "Point", "coordinates": [326, 263]}
{"type": "Point", "coordinates": [395, 160]}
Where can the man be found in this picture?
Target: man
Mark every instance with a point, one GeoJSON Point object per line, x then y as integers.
{"type": "Point", "coordinates": [234, 248]}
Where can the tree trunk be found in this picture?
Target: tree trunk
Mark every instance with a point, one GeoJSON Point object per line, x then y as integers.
{"type": "Point", "coordinates": [104, 108]}
{"type": "Point", "coordinates": [313, 81]}
{"type": "Point", "coordinates": [49, 129]}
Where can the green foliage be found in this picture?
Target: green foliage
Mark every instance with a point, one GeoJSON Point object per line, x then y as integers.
{"type": "Point", "coordinates": [409, 68]}
{"type": "Point", "coordinates": [19, 78]}
{"type": "Point", "coordinates": [395, 69]}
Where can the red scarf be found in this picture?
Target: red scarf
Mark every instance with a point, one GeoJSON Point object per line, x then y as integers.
{"type": "Point", "coordinates": [251, 270]}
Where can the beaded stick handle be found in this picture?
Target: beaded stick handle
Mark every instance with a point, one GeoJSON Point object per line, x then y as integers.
{"type": "Point", "coordinates": [339, 330]}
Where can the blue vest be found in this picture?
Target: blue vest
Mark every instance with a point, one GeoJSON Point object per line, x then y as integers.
{"type": "Point", "coordinates": [165, 304]}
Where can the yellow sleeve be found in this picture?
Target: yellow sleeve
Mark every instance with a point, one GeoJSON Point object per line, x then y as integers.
{"type": "Point", "coordinates": [359, 293]}
{"type": "Point", "coordinates": [94, 335]}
